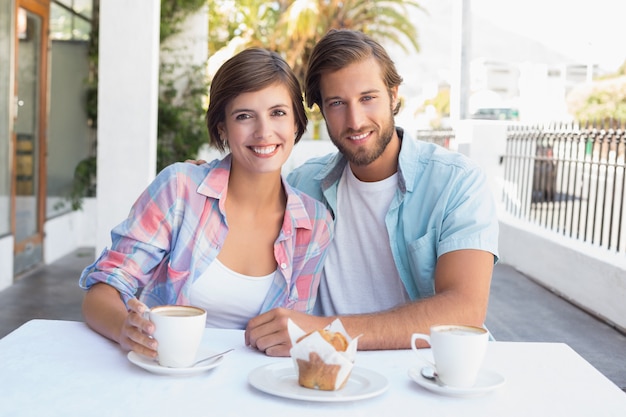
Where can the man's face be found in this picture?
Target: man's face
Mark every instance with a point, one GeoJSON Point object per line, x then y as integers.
{"type": "Point", "coordinates": [358, 111]}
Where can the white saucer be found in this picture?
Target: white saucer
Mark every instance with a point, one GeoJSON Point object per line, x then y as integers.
{"type": "Point", "coordinates": [280, 379]}
{"type": "Point", "coordinates": [153, 366]}
{"type": "Point", "coordinates": [487, 381]}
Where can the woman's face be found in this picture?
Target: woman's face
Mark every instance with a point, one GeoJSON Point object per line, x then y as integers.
{"type": "Point", "coordinates": [260, 128]}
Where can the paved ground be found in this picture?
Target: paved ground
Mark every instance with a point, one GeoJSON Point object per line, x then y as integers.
{"type": "Point", "coordinates": [519, 310]}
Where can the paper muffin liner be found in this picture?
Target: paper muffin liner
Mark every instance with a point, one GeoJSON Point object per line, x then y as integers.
{"type": "Point", "coordinates": [314, 348]}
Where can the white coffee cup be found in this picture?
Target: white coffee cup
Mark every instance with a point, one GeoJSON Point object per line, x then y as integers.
{"type": "Point", "coordinates": [178, 332]}
{"type": "Point", "coordinates": [458, 352]}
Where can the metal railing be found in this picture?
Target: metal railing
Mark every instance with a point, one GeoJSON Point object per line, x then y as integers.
{"type": "Point", "coordinates": [570, 179]}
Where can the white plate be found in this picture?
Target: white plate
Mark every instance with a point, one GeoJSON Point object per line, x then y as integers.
{"type": "Point", "coordinates": [280, 379]}
{"type": "Point", "coordinates": [486, 381]}
{"type": "Point", "coordinates": [153, 366]}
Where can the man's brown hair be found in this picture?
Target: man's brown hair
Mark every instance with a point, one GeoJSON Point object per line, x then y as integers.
{"type": "Point", "coordinates": [340, 48]}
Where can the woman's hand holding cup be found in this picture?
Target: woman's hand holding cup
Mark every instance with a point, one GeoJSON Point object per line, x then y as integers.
{"type": "Point", "coordinates": [137, 330]}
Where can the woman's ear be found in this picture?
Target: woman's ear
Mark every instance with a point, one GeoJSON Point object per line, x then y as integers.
{"type": "Point", "coordinates": [222, 132]}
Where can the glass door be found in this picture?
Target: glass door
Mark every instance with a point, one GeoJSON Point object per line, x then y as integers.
{"type": "Point", "coordinates": [30, 132]}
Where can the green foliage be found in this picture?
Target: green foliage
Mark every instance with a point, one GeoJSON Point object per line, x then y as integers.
{"type": "Point", "coordinates": [604, 99]}
{"type": "Point", "coordinates": [251, 20]}
{"type": "Point", "coordinates": [181, 129]}
{"type": "Point", "coordinates": [91, 105]}
{"type": "Point", "coordinates": [174, 12]}
{"type": "Point", "coordinates": [292, 28]}
{"type": "Point", "coordinates": [441, 101]}
{"type": "Point", "coordinates": [441, 106]}
{"type": "Point", "coordinates": [84, 182]}
{"type": "Point", "coordinates": [181, 126]}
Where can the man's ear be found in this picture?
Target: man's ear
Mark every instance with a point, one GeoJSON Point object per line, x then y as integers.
{"type": "Point", "coordinates": [394, 95]}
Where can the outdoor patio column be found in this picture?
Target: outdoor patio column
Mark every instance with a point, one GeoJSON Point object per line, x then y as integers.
{"type": "Point", "coordinates": [461, 45]}
{"type": "Point", "coordinates": [127, 108]}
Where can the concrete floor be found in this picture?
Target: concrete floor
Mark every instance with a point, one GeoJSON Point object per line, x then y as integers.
{"type": "Point", "coordinates": [519, 310]}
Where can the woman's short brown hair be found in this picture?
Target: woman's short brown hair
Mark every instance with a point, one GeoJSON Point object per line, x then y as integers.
{"type": "Point", "coordinates": [340, 48]}
{"type": "Point", "coordinates": [252, 69]}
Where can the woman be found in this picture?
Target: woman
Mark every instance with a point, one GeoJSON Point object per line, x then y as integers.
{"type": "Point", "coordinates": [231, 235]}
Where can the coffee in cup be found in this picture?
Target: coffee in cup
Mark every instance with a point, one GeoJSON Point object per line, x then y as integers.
{"type": "Point", "coordinates": [458, 351]}
{"type": "Point", "coordinates": [178, 332]}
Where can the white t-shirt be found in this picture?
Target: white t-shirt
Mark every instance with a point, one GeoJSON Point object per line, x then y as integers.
{"type": "Point", "coordinates": [359, 270]}
{"type": "Point", "coordinates": [230, 299]}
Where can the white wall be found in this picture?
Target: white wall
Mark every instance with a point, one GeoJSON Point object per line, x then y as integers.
{"type": "Point", "coordinates": [70, 231]}
{"type": "Point", "coordinates": [484, 142]}
{"type": "Point", "coordinates": [591, 278]}
{"type": "Point", "coordinates": [128, 69]}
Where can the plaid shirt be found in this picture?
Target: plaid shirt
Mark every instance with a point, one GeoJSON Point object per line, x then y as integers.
{"type": "Point", "coordinates": [177, 227]}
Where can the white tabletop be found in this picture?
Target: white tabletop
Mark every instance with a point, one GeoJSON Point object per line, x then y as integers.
{"type": "Point", "coordinates": [62, 368]}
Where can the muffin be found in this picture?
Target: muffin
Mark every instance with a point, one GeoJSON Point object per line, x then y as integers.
{"type": "Point", "coordinates": [324, 358]}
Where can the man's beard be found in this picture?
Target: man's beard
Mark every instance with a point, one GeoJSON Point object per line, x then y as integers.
{"type": "Point", "coordinates": [362, 156]}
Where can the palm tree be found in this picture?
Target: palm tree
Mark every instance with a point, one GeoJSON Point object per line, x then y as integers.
{"type": "Point", "coordinates": [292, 27]}
{"type": "Point", "coordinates": [306, 21]}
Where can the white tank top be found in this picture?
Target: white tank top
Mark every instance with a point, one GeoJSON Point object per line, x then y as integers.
{"type": "Point", "coordinates": [359, 271]}
{"type": "Point", "coordinates": [230, 298]}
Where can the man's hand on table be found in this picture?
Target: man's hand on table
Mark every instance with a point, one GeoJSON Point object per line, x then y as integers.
{"type": "Point", "coordinates": [268, 331]}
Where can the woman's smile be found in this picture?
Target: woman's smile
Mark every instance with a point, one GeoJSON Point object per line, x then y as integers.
{"type": "Point", "coordinates": [264, 150]}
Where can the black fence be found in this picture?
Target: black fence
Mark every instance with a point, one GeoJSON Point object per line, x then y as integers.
{"type": "Point", "coordinates": [570, 179]}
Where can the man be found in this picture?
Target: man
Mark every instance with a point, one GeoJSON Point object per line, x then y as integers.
{"type": "Point", "coordinates": [416, 231]}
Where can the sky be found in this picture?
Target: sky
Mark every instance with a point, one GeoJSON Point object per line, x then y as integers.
{"type": "Point", "coordinates": [587, 30]}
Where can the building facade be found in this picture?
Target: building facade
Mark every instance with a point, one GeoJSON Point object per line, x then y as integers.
{"type": "Point", "coordinates": [44, 128]}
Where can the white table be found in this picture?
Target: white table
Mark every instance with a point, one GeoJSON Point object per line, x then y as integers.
{"type": "Point", "coordinates": [62, 368]}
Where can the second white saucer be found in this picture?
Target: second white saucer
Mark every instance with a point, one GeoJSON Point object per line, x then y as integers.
{"type": "Point", "coordinates": [487, 381]}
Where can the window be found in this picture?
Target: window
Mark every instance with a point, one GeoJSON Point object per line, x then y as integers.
{"type": "Point", "coordinates": [70, 137]}
{"type": "Point", "coordinates": [6, 14]}
{"type": "Point", "coordinates": [70, 19]}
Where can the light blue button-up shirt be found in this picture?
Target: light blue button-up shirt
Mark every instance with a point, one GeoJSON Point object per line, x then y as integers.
{"type": "Point", "coordinates": [442, 204]}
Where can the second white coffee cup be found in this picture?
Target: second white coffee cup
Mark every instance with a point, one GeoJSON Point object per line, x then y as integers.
{"type": "Point", "coordinates": [178, 332]}
{"type": "Point", "coordinates": [458, 352]}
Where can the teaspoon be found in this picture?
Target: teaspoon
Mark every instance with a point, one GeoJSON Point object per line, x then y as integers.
{"type": "Point", "coordinates": [430, 373]}
{"type": "Point", "coordinates": [214, 357]}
